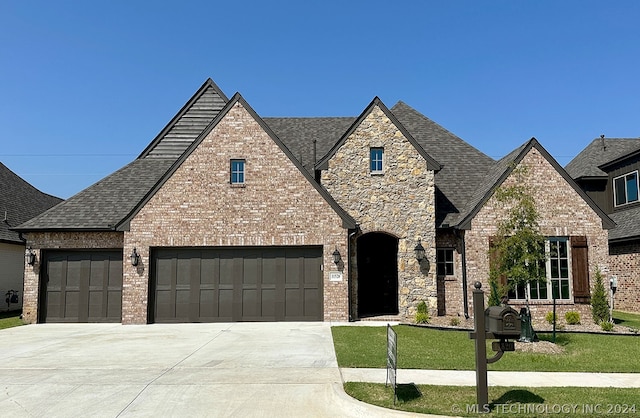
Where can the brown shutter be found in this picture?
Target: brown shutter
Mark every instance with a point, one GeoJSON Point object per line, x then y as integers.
{"type": "Point", "coordinates": [493, 257]}
{"type": "Point", "coordinates": [580, 269]}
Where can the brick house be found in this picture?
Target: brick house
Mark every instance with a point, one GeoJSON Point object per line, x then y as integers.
{"type": "Point", "coordinates": [228, 216]}
{"type": "Point", "coordinates": [607, 170]}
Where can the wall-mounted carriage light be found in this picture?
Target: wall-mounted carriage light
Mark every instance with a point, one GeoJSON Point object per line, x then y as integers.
{"type": "Point", "coordinates": [135, 257]}
{"type": "Point", "coordinates": [336, 257]}
{"type": "Point", "coordinates": [30, 256]}
{"type": "Point", "coordinates": [419, 250]}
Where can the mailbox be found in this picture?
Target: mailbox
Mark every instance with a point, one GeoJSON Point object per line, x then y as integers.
{"type": "Point", "coordinates": [503, 322]}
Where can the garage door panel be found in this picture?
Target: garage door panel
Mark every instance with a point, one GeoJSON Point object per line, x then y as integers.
{"type": "Point", "coordinates": [239, 284]}
{"type": "Point", "coordinates": [81, 286]}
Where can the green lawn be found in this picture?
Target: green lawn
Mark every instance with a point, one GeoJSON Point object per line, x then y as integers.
{"type": "Point", "coordinates": [503, 401]}
{"type": "Point", "coordinates": [626, 319]}
{"type": "Point", "coordinates": [425, 348]}
{"type": "Point", "coordinates": [10, 319]}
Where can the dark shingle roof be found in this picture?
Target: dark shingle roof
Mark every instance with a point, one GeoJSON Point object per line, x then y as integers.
{"type": "Point", "coordinates": [19, 202]}
{"type": "Point", "coordinates": [600, 151]}
{"type": "Point", "coordinates": [298, 135]}
{"type": "Point", "coordinates": [463, 166]}
{"type": "Point", "coordinates": [627, 227]}
{"type": "Point", "coordinates": [105, 204]}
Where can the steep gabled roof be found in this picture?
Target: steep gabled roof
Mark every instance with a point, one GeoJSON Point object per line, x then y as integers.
{"type": "Point", "coordinates": [499, 173]}
{"type": "Point", "coordinates": [299, 134]}
{"type": "Point", "coordinates": [598, 153]}
{"type": "Point", "coordinates": [348, 221]}
{"type": "Point", "coordinates": [463, 166]}
{"type": "Point", "coordinates": [432, 164]}
{"type": "Point", "coordinates": [187, 124]}
{"type": "Point", "coordinates": [105, 204]}
{"type": "Point", "coordinates": [19, 202]}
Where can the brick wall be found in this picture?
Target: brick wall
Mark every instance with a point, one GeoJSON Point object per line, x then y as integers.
{"type": "Point", "coordinates": [450, 295]}
{"type": "Point", "coordinates": [562, 213]}
{"type": "Point", "coordinates": [399, 202]}
{"type": "Point", "coordinates": [59, 241]}
{"type": "Point", "coordinates": [625, 263]}
{"type": "Point", "coordinates": [198, 206]}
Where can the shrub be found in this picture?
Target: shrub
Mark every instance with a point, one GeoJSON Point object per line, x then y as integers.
{"type": "Point", "coordinates": [550, 317]}
{"type": "Point", "coordinates": [455, 321]}
{"type": "Point", "coordinates": [599, 305]}
{"type": "Point", "coordinates": [572, 317]}
{"type": "Point", "coordinates": [422, 314]}
{"type": "Point", "coordinates": [606, 326]}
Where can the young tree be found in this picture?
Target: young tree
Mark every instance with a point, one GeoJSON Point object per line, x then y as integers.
{"type": "Point", "coordinates": [599, 305]}
{"type": "Point", "coordinates": [518, 250]}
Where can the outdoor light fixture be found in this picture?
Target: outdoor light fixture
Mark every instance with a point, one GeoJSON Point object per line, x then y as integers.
{"type": "Point", "coordinates": [419, 250]}
{"type": "Point", "coordinates": [336, 257]}
{"type": "Point", "coordinates": [135, 257]}
{"type": "Point", "coordinates": [30, 256]}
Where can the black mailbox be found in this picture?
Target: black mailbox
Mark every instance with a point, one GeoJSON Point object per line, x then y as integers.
{"type": "Point", "coordinates": [501, 321]}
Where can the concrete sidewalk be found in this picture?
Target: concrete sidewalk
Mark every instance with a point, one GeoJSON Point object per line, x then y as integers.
{"type": "Point", "coordinates": [468, 378]}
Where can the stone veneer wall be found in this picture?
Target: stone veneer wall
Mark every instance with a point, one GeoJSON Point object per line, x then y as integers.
{"type": "Point", "coordinates": [625, 263]}
{"type": "Point", "coordinates": [399, 202]}
{"type": "Point", "coordinates": [59, 241]}
{"type": "Point", "coordinates": [198, 206]}
{"type": "Point", "coordinates": [562, 213]}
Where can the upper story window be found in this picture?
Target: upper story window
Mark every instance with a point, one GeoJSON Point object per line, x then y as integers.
{"type": "Point", "coordinates": [237, 171]}
{"type": "Point", "coordinates": [376, 160]}
{"type": "Point", "coordinates": [625, 188]}
{"type": "Point", "coordinates": [444, 261]}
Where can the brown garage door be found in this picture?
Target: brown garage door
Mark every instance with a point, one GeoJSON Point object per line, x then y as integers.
{"type": "Point", "coordinates": [236, 284]}
{"type": "Point", "coordinates": [81, 286]}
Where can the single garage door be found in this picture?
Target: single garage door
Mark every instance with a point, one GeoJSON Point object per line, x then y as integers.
{"type": "Point", "coordinates": [236, 284]}
{"type": "Point", "coordinates": [81, 286]}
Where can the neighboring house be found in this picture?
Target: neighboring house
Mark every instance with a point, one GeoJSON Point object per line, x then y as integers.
{"type": "Point", "coordinates": [228, 216]}
{"type": "Point", "coordinates": [607, 170]}
{"type": "Point", "coordinates": [19, 202]}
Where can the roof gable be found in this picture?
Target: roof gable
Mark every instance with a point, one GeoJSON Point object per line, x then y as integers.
{"type": "Point", "coordinates": [348, 221]}
{"type": "Point", "coordinates": [504, 168]}
{"type": "Point", "coordinates": [432, 164]}
{"type": "Point", "coordinates": [187, 124]}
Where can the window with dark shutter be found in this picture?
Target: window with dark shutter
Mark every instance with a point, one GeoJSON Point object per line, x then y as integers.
{"type": "Point", "coordinates": [580, 269]}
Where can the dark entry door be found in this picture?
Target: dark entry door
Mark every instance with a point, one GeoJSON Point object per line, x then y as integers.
{"type": "Point", "coordinates": [237, 284]}
{"type": "Point", "coordinates": [377, 274]}
{"type": "Point", "coordinates": [81, 286]}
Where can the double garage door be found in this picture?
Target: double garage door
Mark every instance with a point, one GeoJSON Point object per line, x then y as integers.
{"type": "Point", "coordinates": [236, 284]}
{"type": "Point", "coordinates": [188, 285]}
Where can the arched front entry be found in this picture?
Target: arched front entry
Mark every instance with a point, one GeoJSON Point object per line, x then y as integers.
{"type": "Point", "coordinates": [377, 274]}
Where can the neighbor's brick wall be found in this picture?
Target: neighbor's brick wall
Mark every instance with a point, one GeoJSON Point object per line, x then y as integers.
{"type": "Point", "coordinates": [400, 202]}
{"type": "Point", "coordinates": [59, 241]}
{"type": "Point", "coordinates": [198, 207]}
{"type": "Point", "coordinates": [562, 213]}
{"type": "Point", "coordinates": [625, 263]}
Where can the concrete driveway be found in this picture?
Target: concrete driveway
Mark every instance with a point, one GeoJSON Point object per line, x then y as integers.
{"type": "Point", "coordinates": [111, 370]}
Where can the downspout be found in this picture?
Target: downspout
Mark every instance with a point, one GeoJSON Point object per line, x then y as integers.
{"type": "Point", "coordinates": [463, 253]}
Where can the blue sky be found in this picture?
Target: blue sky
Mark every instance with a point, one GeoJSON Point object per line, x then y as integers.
{"type": "Point", "coordinates": [86, 85]}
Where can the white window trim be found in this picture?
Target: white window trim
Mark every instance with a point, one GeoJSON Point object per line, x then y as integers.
{"type": "Point", "coordinates": [377, 172]}
{"type": "Point", "coordinates": [626, 194]}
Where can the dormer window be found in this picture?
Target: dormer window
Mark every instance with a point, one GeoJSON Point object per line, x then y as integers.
{"type": "Point", "coordinates": [376, 160]}
{"type": "Point", "coordinates": [625, 189]}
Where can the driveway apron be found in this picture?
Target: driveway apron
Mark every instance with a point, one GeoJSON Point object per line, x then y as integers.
{"type": "Point", "coordinates": [208, 370]}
